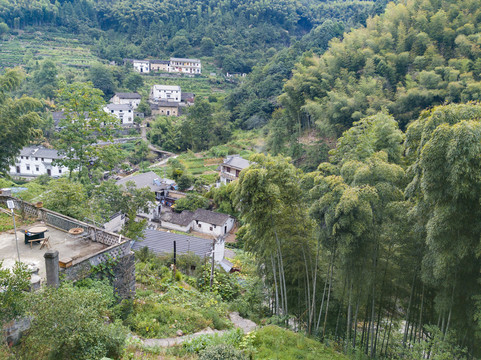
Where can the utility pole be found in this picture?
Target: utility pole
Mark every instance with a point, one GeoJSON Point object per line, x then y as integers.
{"type": "Point", "coordinates": [11, 206]}
{"type": "Point", "coordinates": [212, 266]}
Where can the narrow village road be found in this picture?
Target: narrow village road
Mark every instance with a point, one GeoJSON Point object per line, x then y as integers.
{"type": "Point", "coordinates": [239, 322]}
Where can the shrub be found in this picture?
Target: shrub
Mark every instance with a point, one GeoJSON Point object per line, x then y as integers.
{"type": "Point", "coordinates": [70, 323]}
{"type": "Point", "coordinates": [200, 343]}
{"type": "Point", "coordinates": [221, 352]}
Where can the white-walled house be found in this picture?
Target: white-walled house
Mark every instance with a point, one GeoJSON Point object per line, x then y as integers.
{"type": "Point", "coordinates": [185, 66]}
{"type": "Point", "coordinates": [171, 93]}
{"type": "Point", "coordinates": [204, 221]}
{"type": "Point", "coordinates": [132, 99]}
{"type": "Point", "coordinates": [34, 161]}
{"type": "Point", "coordinates": [231, 167]}
{"type": "Point", "coordinates": [141, 66]}
{"type": "Point", "coordinates": [123, 112]}
{"type": "Point", "coordinates": [213, 223]}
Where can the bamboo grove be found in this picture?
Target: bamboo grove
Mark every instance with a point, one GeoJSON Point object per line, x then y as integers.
{"type": "Point", "coordinates": [379, 248]}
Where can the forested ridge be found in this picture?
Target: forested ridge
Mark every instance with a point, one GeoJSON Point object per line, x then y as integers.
{"type": "Point", "coordinates": [415, 55]}
{"type": "Point", "coordinates": [237, 32]}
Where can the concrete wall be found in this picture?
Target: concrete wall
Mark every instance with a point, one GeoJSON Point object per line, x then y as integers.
{"type": "Point", "coordinates": [214, 230]}
{"type": "Point", "coordinates": [219, 250]}
{"type": "Point", "coordinates": [171, 226]}
{"type": "Point", "coordinates": [117, 247]}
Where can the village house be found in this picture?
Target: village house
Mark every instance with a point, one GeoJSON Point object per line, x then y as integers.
{"type": "Point", "coordinates": [160, 65]}
{"type": "Point", "coordinates": [34, 161]}
{"type": "Point", "coordinates": [230, 169]}
{"type": "Point", "coordinates": [204, 221]}
{"type": "Point", "coordinates": [186, 66]}
{"type": "Point", "coordinates": [160, 187]}
{"type": "Point", "coordinates": [171, 93]}
{"type": "Point", "coordinates": [132, 99]}
{"type": "Point", "coordinates": [165, 108]}
{"type": "Point", "coordinates": [141, 66]}
{"type": "Point", "coordinates": [187, 98]}
{"type": "Point", "coordinates": [123, 112]}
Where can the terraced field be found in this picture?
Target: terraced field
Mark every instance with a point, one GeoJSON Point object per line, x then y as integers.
{"type": "Point", "coordinates": [62, 48]}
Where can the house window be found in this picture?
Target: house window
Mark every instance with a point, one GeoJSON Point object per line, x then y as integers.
{"type": "Point", "coordinates": [43, 159]}
{"type": "Point", "coordinates": [210, 228]}
{"type": "Point", "coordinates": [37, 168]}
{"type": "Point", "coordinates": [21, 157]}
{"type": "Point", "coordinates": [36, 158]}
{"type": "Point", "coordinates": [28, 167]}
{"type": "Point", "coordinates": [59, 171]}
{"type": "Point", "coordinates": [200, 225]}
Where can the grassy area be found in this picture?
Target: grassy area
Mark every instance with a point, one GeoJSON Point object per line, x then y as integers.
{"type": "Point", "coordinates": [6, 222]}
{"type": "Point", "coordinates": [272, 342]}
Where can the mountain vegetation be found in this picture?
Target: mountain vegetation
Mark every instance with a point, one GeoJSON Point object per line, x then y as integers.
{"type": "Point", "coordinates": [235, 32]}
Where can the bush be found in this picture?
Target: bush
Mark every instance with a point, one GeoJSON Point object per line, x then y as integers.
{"type": "Point", "coordinates": [72, 323]}
{"type": "Point", "coordinates": [198, 344]}
{"type": "Point", "coordinates": [221, 352]}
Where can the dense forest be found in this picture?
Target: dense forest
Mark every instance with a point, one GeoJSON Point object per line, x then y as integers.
{"type": "Point", "coordinates": [237, 33]}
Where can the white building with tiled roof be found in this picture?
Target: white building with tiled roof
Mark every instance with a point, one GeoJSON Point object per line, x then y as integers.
{"type": "Point", "coordinates": [185, 66]}
{"type": "Point", "coordinates": [231, 167]}
{"type": "Point", "coordinates": [123, 112]}
{"type": "Point", "coordinates": [170, 93]}
{"type": "Point", "coordinates": [204, 221]}
{"type": "Point", "coordinates": [34, 161]}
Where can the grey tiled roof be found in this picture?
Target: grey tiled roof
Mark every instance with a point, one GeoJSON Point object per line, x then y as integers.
{"type": "Point", "coordinates": [41, 152]}
{"type": "Point", "coordinates": [210, 217]}
{"type": "Point", "coordinates": [183, 219]}
{"type": "Point", "coordinates": [184, 59]}
{"type": "Point", "coordinates": [164, 104]}
{"type": "Point", "coordinates": [119, 107]}
{"type": "Point", "coordinates": [130, 95]}
{"type": "Point", "coordinates": [236, 162]}
{"type": "Point", "coordinates": [161, 242]}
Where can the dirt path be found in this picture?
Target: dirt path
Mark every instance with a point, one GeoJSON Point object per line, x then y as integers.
{"type": "Point", "coordinates": [239, 322]}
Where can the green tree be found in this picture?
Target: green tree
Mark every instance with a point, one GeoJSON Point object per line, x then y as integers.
{"type": "Point", "coordinates": [66, 197]}
{"type": "Point", "coordinates": [191, 202]}
{"type": "Point", "coordinates": [102, 78]}
{"type": "Point", "coordinates": [73, 322]}
{"type": "Point", "coordinates": [45, 79]}
{"type": "Point", "coordinates": [18, 119]}
{"type": "Point", "coordinates": [85, 124]}
{"type": "Point", "coordinates": [201, 123]}
{"type": "Point", "coordinates": [15, 284]}
{"type": "Point", "coordinates": [134, 81]}
{"type": "Point", "coordinates": [207, 46]}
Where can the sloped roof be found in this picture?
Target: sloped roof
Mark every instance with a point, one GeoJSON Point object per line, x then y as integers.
{"type": "Point", "coordinates": [187, 95]}
{"type": "Point", "coordinates": [184, 59]}
{"type": "Point", "coordinates": [128, 95]}
{"type": "Point", "coordinates": [183, 219]}
{"type": "Point", "coordinates": [210, 217]}
{"type": "Point", "coordinates": [40, 151]}
{"type": "Point", "coordinates": [164, 104]}
{"type": "Point", "coordinates": [119, 107]}
{"type": "Point", "coordinates": [167, 87]}
{"type": "Point", "coordinates": [161, 242]}
{"type": "Point", "coordinates": [237, 162]}
{"type": "Point", "coordinates": [145, 179]}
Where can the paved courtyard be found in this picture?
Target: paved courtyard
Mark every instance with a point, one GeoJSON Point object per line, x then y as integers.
{"type": "Point", "coordinates": [66, 244]}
